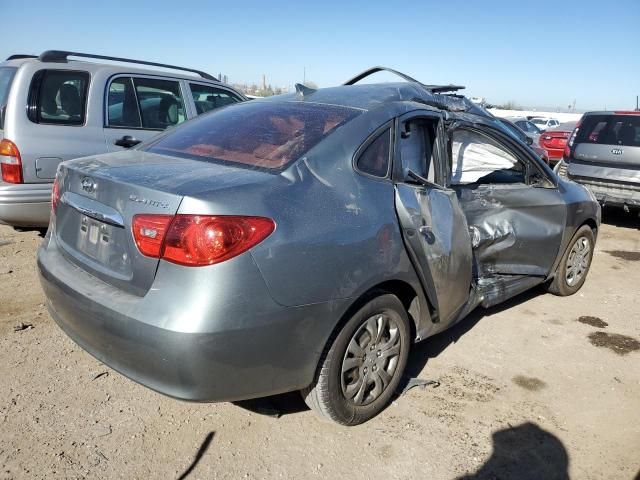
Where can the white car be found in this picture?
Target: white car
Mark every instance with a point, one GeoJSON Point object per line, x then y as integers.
{"type": "Point", "coordinates": [544, 123]}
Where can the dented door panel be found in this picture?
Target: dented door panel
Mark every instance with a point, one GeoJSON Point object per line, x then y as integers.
{"type": "Point", "coordinates": [515, 229]}
{"type": "Point", "coordinates": [436, 235]}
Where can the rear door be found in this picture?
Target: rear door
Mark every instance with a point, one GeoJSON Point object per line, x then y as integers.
{"type": "Point", "coordinates": [433, 225]}
{"type": "Point", "coordinates": [514, 210]}
{"type": "Point", "coordinates": [138, 108]}
{"type": "Point", "coordinates": [608, 147]}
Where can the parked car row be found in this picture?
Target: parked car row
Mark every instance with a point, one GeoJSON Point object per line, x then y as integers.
{"type": "Point", "coordinates": [54, 108]}
{"type": "Point", "coordinates": [300, 242]}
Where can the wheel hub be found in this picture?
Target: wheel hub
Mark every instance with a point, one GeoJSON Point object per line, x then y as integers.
{"type": "Point", "coordinates": [578, 261]}
{"type": "Point", "coordinates": [371, 359]}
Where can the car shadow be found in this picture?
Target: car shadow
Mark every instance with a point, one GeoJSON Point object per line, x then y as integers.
{"type": "Point", "coordinates": [290, 403]}
{"type": "Point", "coordinates": [617, 217]}
{"type": "Point", "coordinates": [524, 452]}
{"type": "Point", "coordinates": [430, 348]}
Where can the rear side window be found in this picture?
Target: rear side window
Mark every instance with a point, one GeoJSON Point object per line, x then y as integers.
{"type": "Point", "coordinates": [122, 105]}
{"type": "Point", "coordinates": [260, 134]}
{"type": "Point", "coordinates": [374, 160]}
{"type": "Point", "coordinates": [6, 77]}
{"type": "Point", "coordinates": [160, 102]}
{"type": "Point", "coordinates": [58, 97]}
{"type": "Point", "coordinates": [207, 98]}
{"type": "Point", "coordinates": [610, 130]}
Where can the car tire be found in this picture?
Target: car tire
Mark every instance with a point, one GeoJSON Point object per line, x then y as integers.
{"type": "Point", "coordinates": [358, 374]}
{"type": "Point", "coordinates": [574, 266]}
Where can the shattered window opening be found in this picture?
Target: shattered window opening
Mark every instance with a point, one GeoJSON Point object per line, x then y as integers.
{"type": "Point", "coordinates": [478, 159]}
{"type": "Point", "coordinates": [417, 147]}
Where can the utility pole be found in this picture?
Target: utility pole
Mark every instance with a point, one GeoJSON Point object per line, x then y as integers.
{"type": "Point", "coordinates": [304, 75]}
{"type": "Point", "coordinates": [637, 106]}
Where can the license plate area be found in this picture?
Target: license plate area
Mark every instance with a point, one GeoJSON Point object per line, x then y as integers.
{"type": "Point", "coordinates": [95, 238]}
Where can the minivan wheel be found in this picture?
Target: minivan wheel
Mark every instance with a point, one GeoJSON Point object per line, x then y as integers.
{"type": "Point", "coordinates": [361, 367]}
{"type": "Point", "coordinates": [575, 264]}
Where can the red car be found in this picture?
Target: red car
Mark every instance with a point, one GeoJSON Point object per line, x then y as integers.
{"type": "Point", "coordinates": [555, 139]}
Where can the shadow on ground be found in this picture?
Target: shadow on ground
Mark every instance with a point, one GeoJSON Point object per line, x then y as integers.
{"type": "Point", "coordinates": [616, 216]}
{"type": "Point", "coordinates": [422, 352]}
{"type": "Point", "coordinates": [290, 403]}
{"type": "Point", "coordinates": [524, 452]}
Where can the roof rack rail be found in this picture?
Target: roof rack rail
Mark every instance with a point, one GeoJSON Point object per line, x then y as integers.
{"type": "Point", "coordinates": [431, 88]}
{"type": "Point", "coordinates": [20, 56]}
{"type": "Point", "coordinates": [61, 56]}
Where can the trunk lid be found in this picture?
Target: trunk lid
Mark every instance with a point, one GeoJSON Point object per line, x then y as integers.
{"type": "Point", "coordinates": [99, 197]}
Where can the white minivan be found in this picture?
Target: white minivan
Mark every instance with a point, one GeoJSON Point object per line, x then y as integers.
{"type": "Point", "coordinates": [55, 107]}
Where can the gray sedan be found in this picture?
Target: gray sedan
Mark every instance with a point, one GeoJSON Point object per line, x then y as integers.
{"type": "Point", "coordinates": [305, 242]}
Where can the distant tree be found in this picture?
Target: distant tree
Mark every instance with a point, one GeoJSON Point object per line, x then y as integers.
{"type": "Point", "coordinates": [510, 105]}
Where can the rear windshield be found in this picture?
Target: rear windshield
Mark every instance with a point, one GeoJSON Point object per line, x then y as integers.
{"type": "Point", "coordinates": [259, 134]}
{"type": "Point", "coordinates": [539, 121]}
{"type": "Point", "coordinates": [6, 76]}
{"type": "Point", "coordinates": [610, 130]}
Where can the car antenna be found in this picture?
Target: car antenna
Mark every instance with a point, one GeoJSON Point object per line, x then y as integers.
{"type": "Point", "coordinates": [303, 90]}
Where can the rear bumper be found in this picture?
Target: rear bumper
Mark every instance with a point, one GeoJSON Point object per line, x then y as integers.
{"type": "Point", "coordinates": [25, 205]}
{"type": "Point", "coordinates": [247, 347]}
{"type": "Point", "coordinates": [608, 193]}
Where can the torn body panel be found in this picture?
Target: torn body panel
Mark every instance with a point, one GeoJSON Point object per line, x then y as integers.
{"type": "Point", "coordinates": [435, 232]}
{"type": "Point", "coordinates": [516, 229]}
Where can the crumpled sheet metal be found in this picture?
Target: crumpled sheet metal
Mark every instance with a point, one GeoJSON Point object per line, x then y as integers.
{"type": "Point", "coordinates": [500, 223]}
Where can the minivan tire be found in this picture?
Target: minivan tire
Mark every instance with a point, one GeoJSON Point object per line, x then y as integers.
{"type": "Point", "coordinates": [328, 394]}
{"type": "Point", "coordinates": [560, 284]}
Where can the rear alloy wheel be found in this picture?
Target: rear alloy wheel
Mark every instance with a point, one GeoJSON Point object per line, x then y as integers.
{"type": "Point", "coordinates": [575, 264]}
{"type": "Point", "coordinates": [363, 364]}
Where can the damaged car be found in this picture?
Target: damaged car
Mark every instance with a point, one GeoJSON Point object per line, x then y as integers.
{"type": "Point", "coordinates": [305, 242]}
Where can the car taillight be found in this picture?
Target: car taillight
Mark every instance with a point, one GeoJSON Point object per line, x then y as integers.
{"type": "Point", "coordinates": [197, 240]}
{"type": "Point", "coordinates": [569, 146]}
{"type": "Point", "coordinates": [149, 232]}
{"type": "Point", "coordinates": [55, 194]}
{"type": "Point", "coordinates": [10, 162]}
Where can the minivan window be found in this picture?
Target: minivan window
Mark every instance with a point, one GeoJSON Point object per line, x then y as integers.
{"type": "Point", "coordinates": [160, 101]}
{"type": "Point", "coordinates": [260, 134]}
{"type": "Point", "coordinates": [621, 130]}
{"type": "Point", "coordinates": [58, 97]}
{"type": "Point", "coordinates": [122, 106]}
{"type": "Point", "coordinates": [6, 76]}
{"type": "Point", "coordinates": [207, 98]}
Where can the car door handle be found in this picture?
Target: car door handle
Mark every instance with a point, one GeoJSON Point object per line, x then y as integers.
{"type": "Point", "coordinates": [127, 141]}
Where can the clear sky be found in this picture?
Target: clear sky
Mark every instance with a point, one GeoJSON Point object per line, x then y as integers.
{"type": "Point", "coordinates": [534, 52]}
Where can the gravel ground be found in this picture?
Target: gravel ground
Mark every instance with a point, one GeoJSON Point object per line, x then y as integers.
{"type": "Point", "coordinates": [541, 387]}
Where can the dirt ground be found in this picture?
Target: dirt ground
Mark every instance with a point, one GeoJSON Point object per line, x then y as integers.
{"type": "Point", "coordinates": [542, 387]}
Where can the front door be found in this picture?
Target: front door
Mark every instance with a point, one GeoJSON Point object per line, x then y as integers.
{"type": "Point", "coordinates": [433, 225]}
{"type": "Point", "coordinates": [515, 213]}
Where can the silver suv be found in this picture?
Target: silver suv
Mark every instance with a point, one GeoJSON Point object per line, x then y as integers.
{"type": "Point", "coordinates": [53, 108]}
{"type": "Point", "coordinates": [603, 153]}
